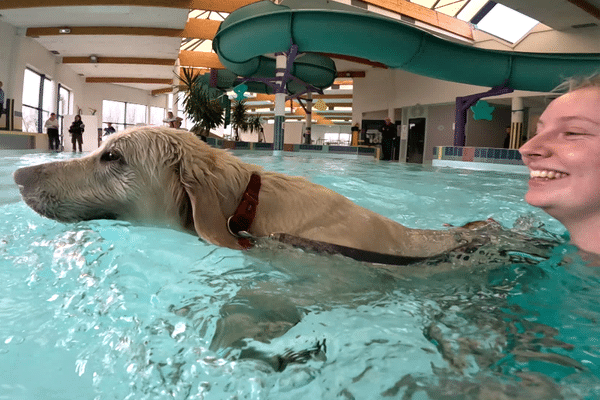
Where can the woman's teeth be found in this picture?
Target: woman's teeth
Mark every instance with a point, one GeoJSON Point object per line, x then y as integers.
{"type": "Point", "coordinates": [547, 174]}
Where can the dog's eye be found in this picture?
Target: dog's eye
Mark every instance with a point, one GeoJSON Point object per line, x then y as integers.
{"type": "Point", "coordinates": [110, 155]}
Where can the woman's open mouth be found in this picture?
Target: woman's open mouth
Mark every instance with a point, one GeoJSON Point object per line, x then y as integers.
{"type": "Point", "coordinates": [547, 174]}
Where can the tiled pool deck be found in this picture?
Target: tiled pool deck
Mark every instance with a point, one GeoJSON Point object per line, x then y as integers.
{"type": "Point", "coordinates": [481, 158]}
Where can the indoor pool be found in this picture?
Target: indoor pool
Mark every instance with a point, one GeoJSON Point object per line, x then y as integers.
{"type": "Point", "coordinates": [110, 310]}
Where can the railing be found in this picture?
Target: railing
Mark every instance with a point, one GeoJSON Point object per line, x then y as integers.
{"type": "Point", "coordinates": [311, 148]}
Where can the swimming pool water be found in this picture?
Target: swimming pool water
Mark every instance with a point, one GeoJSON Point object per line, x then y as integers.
{"type": "Point", "coordinates": [110, 310]}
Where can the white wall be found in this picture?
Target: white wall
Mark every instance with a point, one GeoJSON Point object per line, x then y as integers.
{"type": "Point", "coordinates": [387, 89]}
{"type": "Point", "coordinates": [386, 92]}
{"type": "Point", "coordinates": [19, 52]}
{"type": "Point", "coordinates": [96, 92]}
{"type": "Point", "coordinates": [8, 33]}
{"type": "Point", "coordinates": [292, 132]}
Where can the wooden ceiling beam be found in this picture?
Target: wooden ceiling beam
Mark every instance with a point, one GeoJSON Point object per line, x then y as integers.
{"type": "Point", "coordinates": [299, 112]}
{"type": "Point", "coordinates": [154, 81]}
{"type": "Point", "coordinates": [197, 28]}
{"type": "Point", "coordinates": [199, 59]}
{"type": "Point", "coordinates": [194, 29]}
{"type": "Point", "coordinates": [587, 7]}
{"type": "Point", "coordinates": [329, 104]}
{"type": "Point", "coordinates": [426, 15]}
{"type": "Point", "coordinates": [263, 97]}
{"type": "Point", "coordinates": [104, 30]}
{"type": "Point", "coordinates": [156, 92]}
{"type": "Point", "coordinates": [334, 104]}
{"type": "Point", "coordinates": [332, 96]}
{"type": "Point", "coordinates": [227, 6]}
{"type": "Point", "coordinates": [209, 5]}
{"type": "Point", "coordinates": [194, 71]}
{"type": "Point", "coordinates": [119, 60]}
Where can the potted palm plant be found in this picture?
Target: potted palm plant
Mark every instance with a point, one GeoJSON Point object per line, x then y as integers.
{"type": "Point", "coordinates": [239, 118]}
{"type": "Point", "coordinates": [203, 109]}
{"type": "Point", "coordinates": [255, 124]}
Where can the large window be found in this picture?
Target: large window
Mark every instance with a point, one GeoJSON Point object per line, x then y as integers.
{"type": "Point", "coordinates": [64, 101]}
{"type": "Point", "coordinates": [37, 100]}
{"type": "Point", "coordinates": [64, 105]}
{"type": "Point", "coordinates": [157, 115]}
{"type": "Point", "coordinates": [338, 138]}
{"type": "Point", "coordinates": [123, 115]}
{"type": "Point", "coordinates": [135, 114]}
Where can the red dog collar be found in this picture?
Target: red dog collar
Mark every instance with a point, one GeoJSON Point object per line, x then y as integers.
{"type": "Point", "coordinates": [239, 223]}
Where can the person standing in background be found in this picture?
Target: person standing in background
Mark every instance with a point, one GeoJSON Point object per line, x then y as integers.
{"type": "Point", "coordinates": [109, 130]}
{"type": "Point", "coordinates": [51, 126]}
{"type": "Point", "coordinates": [76, 129]}
{"type": "Point", "coordinates": [174, 122]}
{"type": "Point", "coordinates": [388, 133]}
{"type": "Point", "coordinates": [1, 99]}
{"type": "Point", "coordinates": [355, 134]}
{"type": "Point", "coordinates": [307, 135]}
{"type": "Point", "coordinates": [506, 144]}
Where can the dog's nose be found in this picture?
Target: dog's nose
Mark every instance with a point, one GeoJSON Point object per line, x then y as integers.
{"type": "Point", "coordinates": [27, 176]}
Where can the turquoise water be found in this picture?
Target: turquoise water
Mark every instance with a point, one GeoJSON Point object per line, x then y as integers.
{"type": "Point", "coordinates": [109, 310]}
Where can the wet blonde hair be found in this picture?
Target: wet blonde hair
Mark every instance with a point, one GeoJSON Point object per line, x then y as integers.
{"type": "Point", "coordinates": [578, 82]}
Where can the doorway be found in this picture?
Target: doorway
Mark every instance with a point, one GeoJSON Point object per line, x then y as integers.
{"type": "Point", "coordinates": [416, 140]}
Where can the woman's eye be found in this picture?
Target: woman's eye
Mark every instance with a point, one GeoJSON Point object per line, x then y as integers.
{"type": "Point", "coordinates": [110, 155]}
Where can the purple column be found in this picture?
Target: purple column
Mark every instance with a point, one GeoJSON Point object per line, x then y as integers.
{"type": "Point", "coordinates": [463, 104]}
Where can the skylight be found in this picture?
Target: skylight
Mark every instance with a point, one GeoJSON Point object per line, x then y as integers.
{"type": "Point", "coordinates": [506, 23]}
{"type": "Point", "coordinates": [470, 9]}
{"type": "Point", "coordinates": [204, 45]}
{"type": "Point", "coordinates": [450, 7]}
{"type": "Point", "coordinates": [488, 16]}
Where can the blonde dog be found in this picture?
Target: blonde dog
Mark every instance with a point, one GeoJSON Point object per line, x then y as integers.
{"type": "Point", "coordinates": [170, 177]}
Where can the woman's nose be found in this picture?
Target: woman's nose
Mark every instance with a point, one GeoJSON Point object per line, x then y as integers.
{"type": "Point", "coordinates": [535, 147]}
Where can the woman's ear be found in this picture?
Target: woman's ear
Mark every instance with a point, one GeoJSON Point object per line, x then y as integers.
{"type": "Point", "coordinates": [209, 222]}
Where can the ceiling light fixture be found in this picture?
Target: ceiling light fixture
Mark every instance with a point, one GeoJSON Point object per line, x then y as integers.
{"type": "Point", "coordinates": [64, 30]}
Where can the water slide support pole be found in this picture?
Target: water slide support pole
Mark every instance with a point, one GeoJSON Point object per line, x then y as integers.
{"type": "Point", "coordinates": [280, 93]}
{"type": "Point", "coordinates": [516, 123]}
{"type": "Point", "coordinates": [308, 111]}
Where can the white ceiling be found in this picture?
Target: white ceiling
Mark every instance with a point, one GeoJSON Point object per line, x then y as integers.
{"type": "Point", "coordinates": [151, 17]}
{"type": "Point", "coordinates": [107, 45]}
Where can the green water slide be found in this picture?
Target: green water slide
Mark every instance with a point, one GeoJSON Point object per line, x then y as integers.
{"type": "Point", "coordinates": [314, 69]}
{"type": "Point", "coordinates": [260, 29]}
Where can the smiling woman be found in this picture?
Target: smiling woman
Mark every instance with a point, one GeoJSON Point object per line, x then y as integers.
{"type": "Point", "coordinates": [564, 160]}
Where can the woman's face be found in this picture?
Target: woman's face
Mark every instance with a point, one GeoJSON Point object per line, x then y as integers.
{"type": "Point", "coordinates": [564, 157]}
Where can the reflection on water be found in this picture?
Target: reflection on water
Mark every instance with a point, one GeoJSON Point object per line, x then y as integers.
{"type": "Point", "coordinates": [108, 310]}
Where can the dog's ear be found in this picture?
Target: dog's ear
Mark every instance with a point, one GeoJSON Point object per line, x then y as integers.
{"type": "Point", "coordinates": [209, 221]}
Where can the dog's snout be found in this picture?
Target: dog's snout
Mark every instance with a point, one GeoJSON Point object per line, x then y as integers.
{"type": "Point", "coordinates": [27, 176]}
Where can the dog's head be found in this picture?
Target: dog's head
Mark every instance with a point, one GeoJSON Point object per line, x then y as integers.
{"type": "Point", "coordinates": [148, 175]}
